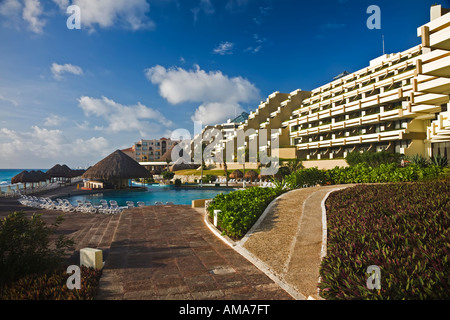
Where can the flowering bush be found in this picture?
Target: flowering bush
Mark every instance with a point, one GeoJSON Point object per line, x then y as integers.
{"type": "Point", "coordinates": [402, 228]}
{"type": "Point", "coordinates": [52, 286]}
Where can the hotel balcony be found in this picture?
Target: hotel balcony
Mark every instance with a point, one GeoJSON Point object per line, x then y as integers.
{"type": "Point", "coordinates": [354, 140]}
{"type": "Point", "coordinates": [440, 129]}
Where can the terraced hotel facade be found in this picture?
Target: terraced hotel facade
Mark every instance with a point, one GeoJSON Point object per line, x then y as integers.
{"type": "Point", "coordinates": [399, 103]}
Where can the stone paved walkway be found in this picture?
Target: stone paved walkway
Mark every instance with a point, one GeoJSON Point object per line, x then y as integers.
{"type": "Point", "coordinates": [167, 252]}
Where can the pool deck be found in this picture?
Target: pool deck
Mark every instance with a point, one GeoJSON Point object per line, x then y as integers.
{"type": "Point", "coordinates": [173, 252]}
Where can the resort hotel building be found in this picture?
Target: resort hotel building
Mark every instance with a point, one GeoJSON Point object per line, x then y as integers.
{"type": "Point", "coordinates": [152, 150]}
{"type": "Point", "coordinates": [398, 103]}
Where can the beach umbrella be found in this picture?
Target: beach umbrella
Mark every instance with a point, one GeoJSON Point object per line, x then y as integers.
{"type": "Point", "coordinates": [251, 174]}
{"type": "Point", "coordinates": [117, 168]}
{"type": "Point", "coordinates": [236, 174]}
{"type": "Point", "coordinates": [42, 175]}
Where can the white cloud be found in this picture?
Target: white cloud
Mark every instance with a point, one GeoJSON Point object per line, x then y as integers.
{"type": "Point", "coordinates": [59, 69]}
{"type": "Point", "coordinates": [62, 4]}
{"type": "Point", "coordinates": [258, 44]}
{"type": "Point", "coordinates": [123, 118]}
{"type": "Point", "coordinates": [31, 13]}
{"type": "Point", "coordinates": [130, 14]}
{"type": "Point", "coordinates": [204, 6]}
{"type": "Point", "coordinates": [224, 48]}
{"type": "Point", "coordinates": [11, 10]}
{"type": "Point", "coordinates": [216, 112]}
{"type": "Point", "coordinates": [16, 12]}
{"type": "Point", "coordinates": [44, 144]}
{"type": "Point", "coordinates": [11, 101]}
{"type": "Point", "coordinates": [212, 89]}
{"type": "Point", "coordinates": [54, 120]}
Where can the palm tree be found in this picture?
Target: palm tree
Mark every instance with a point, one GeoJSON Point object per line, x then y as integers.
{"type": "Point", "coordinates": [225, 168]}
{"type": "Point", "coordinates": [294, 165]}
{"type": "Point", "coordinates": [167, 162]}
{"type": "Point", "coordinates": [244, 155]}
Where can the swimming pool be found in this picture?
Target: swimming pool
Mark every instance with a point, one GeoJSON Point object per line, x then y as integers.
{"type": "Point", "coordinates": [152, 194]}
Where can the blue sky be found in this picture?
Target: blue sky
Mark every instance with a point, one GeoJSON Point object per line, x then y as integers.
{"type": "Point", "coordinates": [143, 68]}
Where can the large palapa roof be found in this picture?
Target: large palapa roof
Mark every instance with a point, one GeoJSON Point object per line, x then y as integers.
{"type": "Point", "coordinates": [117, 166]}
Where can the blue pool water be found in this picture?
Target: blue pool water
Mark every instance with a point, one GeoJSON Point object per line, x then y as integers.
{"type": "Point", "coordinates": [153, 193]}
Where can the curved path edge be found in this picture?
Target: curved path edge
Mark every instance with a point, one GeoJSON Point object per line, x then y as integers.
{"type": "Point", "coordinates": [238, 246]}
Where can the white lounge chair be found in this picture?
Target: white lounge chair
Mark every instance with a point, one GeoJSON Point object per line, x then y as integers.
{"type": "Point", "coordinates": [103, 207]}
{"type": "Point", "coordinates": [158, 203]}
{"type": "Point", "coordinates": [170, 203]}
{"type": "Point", "coordinates": [141, 204]}
{"type": "Point", "coordinates": [67, 206]}
{"type": "Point", "coordinates": [130, 204]}
{"type": "Point", "coordinates": [114, 207]}
{"type": "Point", "coordinates": [88, 207]}
{"type": "Point", "coordinates": [80, 206]}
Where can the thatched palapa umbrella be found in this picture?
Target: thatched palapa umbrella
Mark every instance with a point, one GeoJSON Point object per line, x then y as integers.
{"type": "Point", "coordinates": [251, 174]}
{"type": "Point", "coordinates": [236, 174]}
{"type": "Point", "coordinates": [25, 177]}
{"type": "Point", "coordinates": [60, 171]}
{"type": "Point", "coordinates": [117, 168]}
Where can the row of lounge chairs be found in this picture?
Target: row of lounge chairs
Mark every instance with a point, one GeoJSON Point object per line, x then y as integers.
{"type": "Point", "coordinates": [265, 184]}
{"type": "Point", "coordinates": [66, 206]}
{"type": "Point", "coordinates": [86, 206]}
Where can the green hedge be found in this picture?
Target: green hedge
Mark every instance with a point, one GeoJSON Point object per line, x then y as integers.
{"type": "Point", "coordinates": [373, 159]}
{"type": "Point", "coordinates": [361, 173]}
{"type": "Point", "coordinates": [403, 228]}
{"type": "Point", "coordinates": [240, 209]}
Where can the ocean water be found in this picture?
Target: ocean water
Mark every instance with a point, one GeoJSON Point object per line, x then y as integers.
{"type": "Point", "coordinates": [7, 174]}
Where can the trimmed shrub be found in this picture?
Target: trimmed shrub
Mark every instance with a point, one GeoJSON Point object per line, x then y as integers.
{"type": "Point", "coordinates": [373, 159]}
{"type": "Point", "coordinates": [363, 173]}
{"type": "Point", "coordinates": [240, 209]}
{"type": "Point", "coordinates": [306, 178]}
